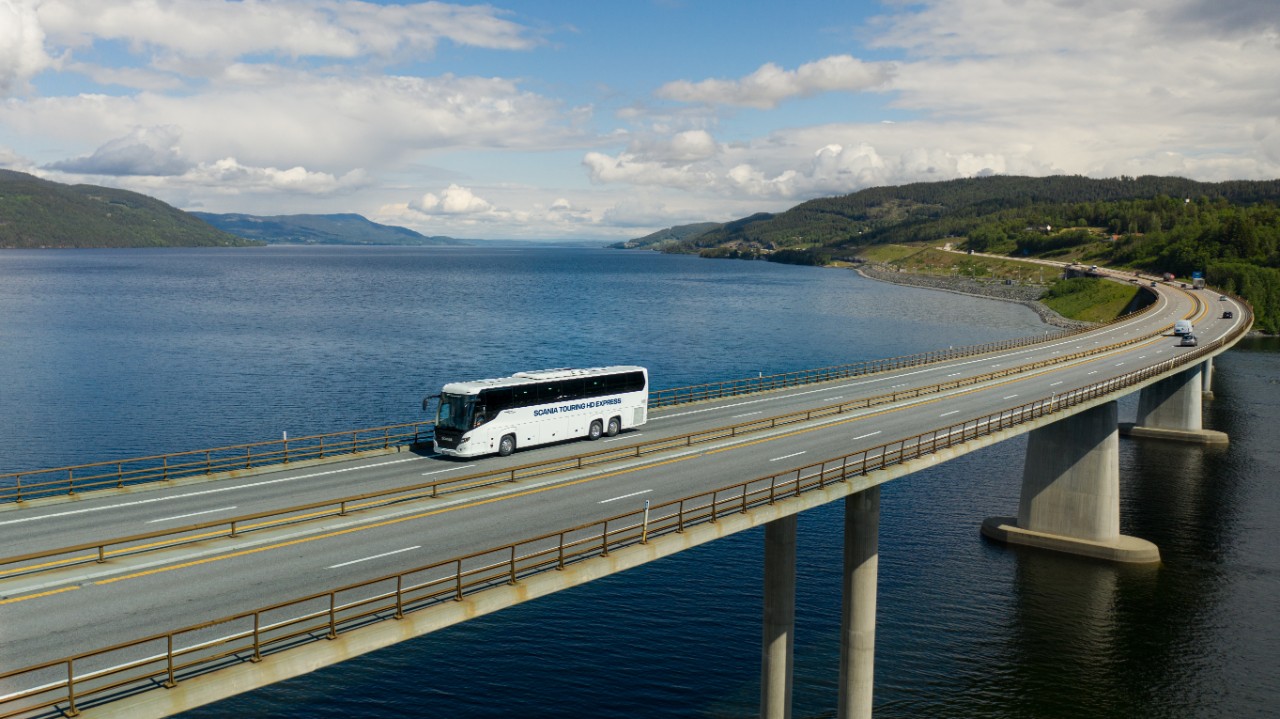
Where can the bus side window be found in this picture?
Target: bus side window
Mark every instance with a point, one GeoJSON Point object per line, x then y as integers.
{"type": "Point", "coordinates": [627, 382]}
{"type": "Point", "coordinates": [594, 387]}
{"type": "Point", "coordinates": [548, 392]}
{"type": "Point", "coordinates": [574, 388]}
{"type": "Point", "coordinates": [496, 400]}
{"type": "Point", "coordinates": [523, 395]}
{"type": "Point", "coordinates": [635, 381]}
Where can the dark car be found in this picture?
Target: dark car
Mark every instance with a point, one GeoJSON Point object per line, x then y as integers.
{"type": "Point", "coordinates": [1228, 314]}
{"type": "Point", "coordinates": [1189, 341]}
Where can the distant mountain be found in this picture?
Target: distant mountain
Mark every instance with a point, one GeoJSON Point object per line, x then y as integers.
{"type": "Point", "coordinates": [669, 236]}
{"type": "Point", "coordinates": [36, 213]}
{"type": "Point", "coordinates": [340, 229]}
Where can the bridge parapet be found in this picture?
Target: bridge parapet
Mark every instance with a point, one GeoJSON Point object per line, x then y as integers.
{"type": "Point", "coordinates": [234, 460]}
{"type": "Point", "coordinates": [186, 661]}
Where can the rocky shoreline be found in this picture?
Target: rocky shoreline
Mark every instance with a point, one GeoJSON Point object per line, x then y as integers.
{"type": "Point", "coordinates": [1021, 294]}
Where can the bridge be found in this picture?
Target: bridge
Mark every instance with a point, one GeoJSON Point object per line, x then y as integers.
{"type": "Point", "coordinates": [146, 587]}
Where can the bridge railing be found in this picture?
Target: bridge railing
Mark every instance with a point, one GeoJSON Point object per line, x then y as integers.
{"type": "Point", "coordinates": [162, 660]}
{"type": "Point", "coordinates": [731, 388]}
{"type": "Point", "coordinates": [115, 474]}
{"type": "Point", "coordinates": [24, 486]}
{"type": "Point", "coordinates": [114, 547]}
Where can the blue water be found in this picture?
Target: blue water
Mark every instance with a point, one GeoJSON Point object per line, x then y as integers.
{"type": "Point", "coordinates": [107, 354]}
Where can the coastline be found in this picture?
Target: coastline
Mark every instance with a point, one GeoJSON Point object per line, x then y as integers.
{"type": "Point", "coordinates": [1019, 294]}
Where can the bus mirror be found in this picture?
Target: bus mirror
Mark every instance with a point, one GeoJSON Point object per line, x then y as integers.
{"type": "Point", "coordinates": [426, 401]}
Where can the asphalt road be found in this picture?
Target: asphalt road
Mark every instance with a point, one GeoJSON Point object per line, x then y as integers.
{"type": "Point", "coordinates": [51, 614]}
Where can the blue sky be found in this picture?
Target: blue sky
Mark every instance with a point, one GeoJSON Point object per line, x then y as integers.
{"type": "Point", "coordinates": [609, 120]}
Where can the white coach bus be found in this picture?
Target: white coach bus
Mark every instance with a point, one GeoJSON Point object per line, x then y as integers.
{"type": "Point", "coordinates": [490, 416]}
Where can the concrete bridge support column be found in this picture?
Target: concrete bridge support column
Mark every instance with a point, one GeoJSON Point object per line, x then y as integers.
{"type": "Point", "coordinates": [1206, 378]}
{"type": "Point", "coordinates": [779, 618]}
{"type": "Point", "coordinates": [858, 608]}
{"type": "Point", "coordinates": [1171, 409]}
{"type": "Point", "coordinates": [1070, 498]}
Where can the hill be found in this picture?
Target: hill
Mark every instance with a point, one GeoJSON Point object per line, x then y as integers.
{"type": "Point", "coordinates": [36, 213]}
{"type": "Point", "coordinates": [1230, 231]}
{"type": "Point", "coordinates": [938, 210]}
{"type": "Point", "coordinates": [664, 238]}
{"type": "Point", "coordinates": [338, 229]}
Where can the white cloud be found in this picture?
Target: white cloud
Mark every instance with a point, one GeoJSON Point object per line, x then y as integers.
{"type": "Point", "coordinates": [145, 151]}
{"type": "Point", "coordinates": [454, 200]}
{"type": "Point", "coordinates": [256, 103]}
{"type": "Point", "coordinates": [22, 53]}
{"type": "Point", "coordinates": [11, 160]}
{"type": "Point", "coordinates": [204, 29]}
{"type": "Point", "coordinates": [1037, 87]}
{"type": "Point", "coordinates": [302, 119]}
{"type": "Point", "coordinates": [770, 85]}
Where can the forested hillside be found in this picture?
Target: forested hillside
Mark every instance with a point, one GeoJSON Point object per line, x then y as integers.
{"type": "Point", "coordinates": [1228, 230]}
{"type": "Point", "coordinates": [335, 229]}
{"type": "Point", "coordinates": [38, 213]}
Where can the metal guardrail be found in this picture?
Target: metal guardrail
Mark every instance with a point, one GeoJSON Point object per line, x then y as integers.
{"type": "Point", "coordinates": [178, 465]}
{"type": "Point", "coordinates": [731, 388]}
{"type": "Point", "coordinates": [61, 687]}
{"type": "Point", "coordinates": [341, 506]}
{"type": "Point", "coordinates": [116, 474]}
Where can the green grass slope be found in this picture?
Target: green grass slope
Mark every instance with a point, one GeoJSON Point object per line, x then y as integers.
{"type": "Point", "coordinates": [36, 213]}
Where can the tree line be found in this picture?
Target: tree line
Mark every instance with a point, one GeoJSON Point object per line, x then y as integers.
{"type": "Point", "coordinates": [1228, 230]}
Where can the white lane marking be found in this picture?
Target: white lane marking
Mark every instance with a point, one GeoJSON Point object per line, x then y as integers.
{"type": "Point", "coordinates": [620, 437]}
{"type": "Point", "coordinates": [193, 514]}
{"type": "Point", "coordinates": [376, 556]}
{"type": "Point", "coordinates": [1119, 364]}
{"type": "Point", "coordinates": [451, 469]}
{"type": "Point", "coordinates": [839, 396]}
{"type": "Point", "coordinates": [1055, 384]}
{"type": "Point", "coordinates": [895, 386]}
{"type": "Point", "coordinates": [748, 414]}
{"type": "Point", "coordinates": [1094, 372]}
{"type": "Point", "coordinates": [786, 456]}
{"type": "Point", "coordinates": [625, 496]}
{"type": "Point", "coordinates": [948, 414]}
{"type": "Point", "coordinates": [954, 374]}
{"type": "Point", "coordinates": [207, 491]}
{"type": "Point", "coordinates": [995, 365]}
{"type": "Point", "coordinates": [1011, 396]}
{"type": "Point", "coordinates": [868, 434]}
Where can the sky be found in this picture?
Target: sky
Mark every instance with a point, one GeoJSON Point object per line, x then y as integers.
{"type": "Point", "coordinates": [609, 120]}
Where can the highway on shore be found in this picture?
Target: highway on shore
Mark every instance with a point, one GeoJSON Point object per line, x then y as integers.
{"type": "Point", "coordinates": [60, 611]}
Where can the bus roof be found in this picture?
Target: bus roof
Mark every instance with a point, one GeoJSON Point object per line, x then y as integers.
{"type": "Point", "coordinates": [535, 376]}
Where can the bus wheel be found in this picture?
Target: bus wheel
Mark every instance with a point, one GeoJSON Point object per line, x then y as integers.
{"type": "Point", "coordinates": [614, 426]}
{"type": "Point", "coordinates": [506, 445]}
{"type": "Point", "coordinates": [595, 431]}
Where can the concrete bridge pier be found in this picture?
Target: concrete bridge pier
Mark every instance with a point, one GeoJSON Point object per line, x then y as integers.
{"type": "Point", "coordinates": [777, 650]}
{"type": "Point", "coordinates": [1206, 374]}
{"type": "Point", "coordinates": [858, 604]}
{"type": "Point", "coordinates": [1171, 409]}
{"type": "Point", "coordinates": [1070, 499]}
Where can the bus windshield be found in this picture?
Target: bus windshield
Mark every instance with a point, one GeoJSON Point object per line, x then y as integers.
{"type": "Point", "coordinates": [455, 411]}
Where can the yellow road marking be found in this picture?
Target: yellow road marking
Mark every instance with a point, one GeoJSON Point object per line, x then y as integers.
{"type": "Point", "coordinates": [558, 485]}
{"type": "Point", "coordinates": [37, 596]}
{"type": "Point", "coordinates": [385, 523]}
